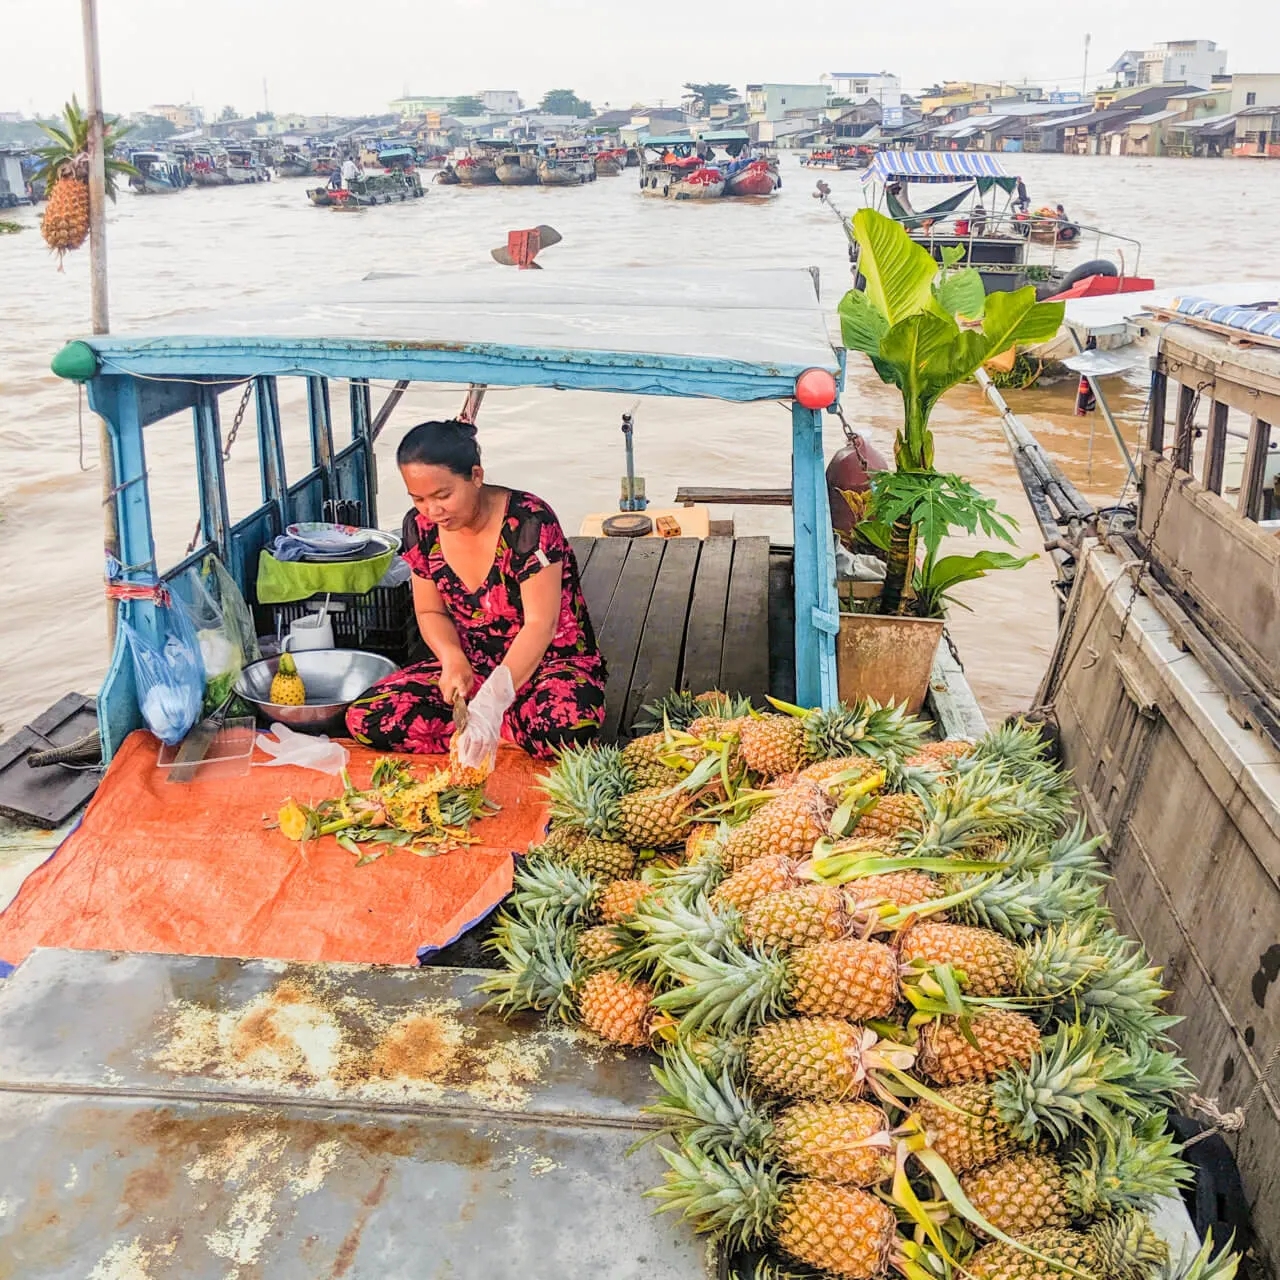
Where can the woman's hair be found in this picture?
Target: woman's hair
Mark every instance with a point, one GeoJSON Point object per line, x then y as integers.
{"type": "Point", "coordinates": [449, 444]}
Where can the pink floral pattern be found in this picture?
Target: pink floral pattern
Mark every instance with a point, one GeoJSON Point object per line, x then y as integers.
{"type": "Point", "coordinates": [562, 702]}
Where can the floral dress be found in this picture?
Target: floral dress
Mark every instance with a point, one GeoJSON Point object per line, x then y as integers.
{"type": "Point", "coordinates": [562, 702]}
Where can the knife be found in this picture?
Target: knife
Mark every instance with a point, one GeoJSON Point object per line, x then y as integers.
{"type": "Point", "coordinates": [195, 746]}
{"type": "Point", "coordinates": [459, 712]}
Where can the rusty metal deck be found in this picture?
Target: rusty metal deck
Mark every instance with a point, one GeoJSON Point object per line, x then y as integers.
{"type": "Point", "coordinates": [195, 1117]}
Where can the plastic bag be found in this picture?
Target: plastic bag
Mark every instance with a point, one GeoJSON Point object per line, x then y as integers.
{"type": "Point", "coordinates": [303, 750]}
{"type": "Point", "coordinates": [222, 624]}
{"type": "Point", "coordinates": [169, 678]}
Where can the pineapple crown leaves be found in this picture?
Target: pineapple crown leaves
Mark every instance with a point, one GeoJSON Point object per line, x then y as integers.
{"type": "Point", "coordinates": [864, 727]}
{"type": "Point", "coordinates": [70, 147]}
{"type": "Point", "coordinates": [538, 970]}
{"type": "Point", "coordinates": [665, 928]}
{"type": "Point", "coordinates": [585, 786]}
{"type": "Point", "coordinates": [1070, 853]}
{"type": "Point", "coordinates": [1074, 1082]}
{"type": "Point", "coordinates": [1126, 1167]}
{"type": "Point", "coordinates": [734, 1200]}
{"type": "Point", "coordinates": [1209, 1262]}
{"type": "Point", "coordinates": [1153, 1076]}
{"type": "Point", "coordinates": [1019, 906]}
{"type": "Point", "coordinates": [739, 990]}
{"type": "Point", "coordinates": [690, 881]}
{"type": "Point", "coordinates": [705, 1108]}
{"type": "Point", "coordinates": [551, 894]}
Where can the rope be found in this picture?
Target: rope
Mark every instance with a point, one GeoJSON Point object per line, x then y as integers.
{"type": "Point", "coordinates": [1229, 1121]}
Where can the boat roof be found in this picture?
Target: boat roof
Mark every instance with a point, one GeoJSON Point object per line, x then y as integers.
{"type": "Point", "coordinates": [669, 140]}
{"type": "Point", "coordinates": [932, 166]}
{"type": "Point", "coordinates": [726, 135]}
{"type": "Point", "coordinates": [1112, 313]}
{"type": "Point", "coordinates": [724, 334]}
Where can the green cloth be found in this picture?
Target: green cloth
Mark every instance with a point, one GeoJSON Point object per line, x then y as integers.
{"type": "Point", "coordinates": [281, 581]}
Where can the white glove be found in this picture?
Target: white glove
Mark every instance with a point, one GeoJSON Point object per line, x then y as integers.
{"type": "Point", "coordinates": [479, 740]}
{"type": "Point", "coordinates": [303, 750]}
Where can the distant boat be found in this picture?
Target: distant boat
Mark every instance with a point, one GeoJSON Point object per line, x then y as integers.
{"type": "Point", "coordinates": [610, 163]}
{"type": "Point", "coordinates": [561, 171]}
{"type": "Point", "coordinates": [751, 178]}
{"type": "Point", "coordinates": [517, 168]}
{"type": "Point", "coordinates": [158, 173]}
{"type": "Point", "coordinates": [293, 164]}
{"type": "Point", "coordinates": [476, 171]}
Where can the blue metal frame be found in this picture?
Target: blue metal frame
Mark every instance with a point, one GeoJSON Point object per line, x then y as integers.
{"type": "Point", "coordinates": [144, 380]}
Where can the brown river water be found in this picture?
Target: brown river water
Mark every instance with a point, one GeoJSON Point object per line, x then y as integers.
{"type": "Point", "coordinates": [1197, 221]}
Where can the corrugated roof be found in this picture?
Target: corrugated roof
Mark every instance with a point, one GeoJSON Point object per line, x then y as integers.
{"type": "Point", "coordinates": [933, 166]}
{"type": "Point", "coordinates": [1156, 117]}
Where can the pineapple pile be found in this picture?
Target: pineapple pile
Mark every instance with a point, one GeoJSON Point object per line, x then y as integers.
{"type": "Point", "coordinates": [897, 1028]}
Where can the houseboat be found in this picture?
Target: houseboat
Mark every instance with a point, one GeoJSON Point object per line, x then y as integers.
{"type": "Point", "coordinates": [245, 165]}
{"type": "Point", "coordinates": [565, 164]}
{"type": "Point", "coordinates": [13, 183]}
{"type": "Point", "coordinates": [294, 162]}
{"type": "Point", "coordinates": [158, 173]}
{"type": "Point", "coordinates": [391, 187]}
{"type": "Point", "coordinates": [474, 169]}
{"type": "Point", "coordinates": [841, 156]}
{"type": "Point", "coordinates": [672, 168]}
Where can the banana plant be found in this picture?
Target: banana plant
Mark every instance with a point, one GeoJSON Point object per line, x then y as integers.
{"type": "Point", "coordinates": [926, 328]}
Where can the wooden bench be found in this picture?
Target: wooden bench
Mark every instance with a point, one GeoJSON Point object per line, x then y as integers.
{"type": "Point", "coordinates": [682, 613]}
{"type": "Point", "coordinates": [690, 496]}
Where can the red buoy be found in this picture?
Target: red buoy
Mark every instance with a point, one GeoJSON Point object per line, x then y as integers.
{"type": "Point", "coordinates": [816, 389]}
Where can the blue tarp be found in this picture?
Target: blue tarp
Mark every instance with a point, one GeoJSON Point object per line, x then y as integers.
{"type": "Point", "coordinates": [1247, 319]}
{"type": "Point", "coordinates": [933, 166]}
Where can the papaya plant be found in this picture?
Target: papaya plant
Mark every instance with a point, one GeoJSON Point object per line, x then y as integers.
{"type": "Point", "coordinates": [926, 328]}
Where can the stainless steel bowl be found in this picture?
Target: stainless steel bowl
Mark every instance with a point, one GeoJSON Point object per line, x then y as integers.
{"type": "Point", "coordinates": [334, 679]}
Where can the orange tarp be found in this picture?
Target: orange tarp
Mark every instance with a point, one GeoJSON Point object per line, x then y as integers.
{"type": "Point", "coordinates": [191, 869]}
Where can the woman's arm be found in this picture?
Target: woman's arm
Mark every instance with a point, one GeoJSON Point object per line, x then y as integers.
{"type": "Point", "coordinates": [441, 636]}
{"type": "Point", "coordinates": [540, 596]}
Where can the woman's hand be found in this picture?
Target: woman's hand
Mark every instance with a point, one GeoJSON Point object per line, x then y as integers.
{"type": "Point", "coordinates": [456, 678]}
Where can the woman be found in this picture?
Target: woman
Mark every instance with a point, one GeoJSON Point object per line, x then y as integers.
{"type": "Point", "coordinates": [499, 604]}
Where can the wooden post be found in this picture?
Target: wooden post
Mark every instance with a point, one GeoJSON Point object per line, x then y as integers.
{"type": "Point", "coordinates": [1215, 449]}
{"type": "Point", "coordinates": [1155, 423]}
{"type": "Point", "coordinates": [1185, 428]}
{"type": "Point", "coordinates": [1255, 465]}
{"type": "Point", "coordinates": [101, 318]}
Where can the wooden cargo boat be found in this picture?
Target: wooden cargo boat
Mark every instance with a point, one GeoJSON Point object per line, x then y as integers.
{"type": "Point", "coordinates": [752, 178]}
{"type": "Point", "coordinates": [516, 167]}
{"type": "Point", "coordinates": [476, 171]}
{"type": "Point", "coordinates": [158, 173]}
{"type": "Point", "coordinates": [392, 187]}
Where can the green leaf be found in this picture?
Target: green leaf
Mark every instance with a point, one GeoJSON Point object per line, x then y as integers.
{"type": "Point", "coordinates": [861, 324]}
{"type": "Point", "coordinates": [951, 254]}
{"type": "Point", "coordinates": [1016, 317]}
{"type": "Point", "coordinates": [962, 294]}
{"type": "Point", "coordinates": [899, 272]}
{"type": "Point", "coordinates": [933, 585]}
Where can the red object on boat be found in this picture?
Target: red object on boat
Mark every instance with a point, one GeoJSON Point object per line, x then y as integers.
{"type": "Point", "coordinates": [757, 179]}
{"type": "Point", "coordinates": [816, 389]}
{"type": "Point", "coordinates": [850, 469]}
{"type": "Point", "coordinates": [1101, 286]}
{"type": "Point", "coordinates": [705, 178]}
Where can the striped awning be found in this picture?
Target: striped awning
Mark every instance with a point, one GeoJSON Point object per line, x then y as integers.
{"type": "Point", "coordinates": [933, 166]}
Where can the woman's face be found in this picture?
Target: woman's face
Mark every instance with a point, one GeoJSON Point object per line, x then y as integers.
{"type": "Point", "coordinates": [444, 497]}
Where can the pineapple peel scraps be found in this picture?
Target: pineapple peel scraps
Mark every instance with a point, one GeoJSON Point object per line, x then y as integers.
{"type": "Point", "coordinates": [397, 810]}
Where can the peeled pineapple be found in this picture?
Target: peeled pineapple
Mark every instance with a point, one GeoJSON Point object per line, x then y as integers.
{"type": "Point", "coordinates": [287, 689]}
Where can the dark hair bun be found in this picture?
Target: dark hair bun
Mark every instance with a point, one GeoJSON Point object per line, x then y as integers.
{"type": "Point", "coordinates": [451, 444]}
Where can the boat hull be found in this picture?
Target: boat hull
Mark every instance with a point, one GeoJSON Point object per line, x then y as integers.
{"type": "Point", "coordinates": [756, 180]}
{"type": "Point", "coordinates": [558, 175]}
{"type": "Point", "coordinates": [298, 169]}
{"type": "Point", "coordinates": [477, 174]}
{"type": "Point", "coordinates": [516, 175]}
{"type": "Point", "coordinates": [607, 168]}
{"type": "Point", "coordinates": [210, 178]}
{"type": "Point", "coordinates": [673, 186]}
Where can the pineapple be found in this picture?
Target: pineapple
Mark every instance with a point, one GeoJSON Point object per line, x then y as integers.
{"type": "Point", "coordinates": [618, 901]}
{"type": "Point", "coordinates": [616, 1008]}
{"type": "Point", "coordinates": [794, 917]}
{"type": "Point", "coordinates": [603, 859]}
{"type": "Point", "coordinates": [851, 979]}
{"type": "Point", "coordinates": [703, 839]}
{"type": "Point", "coordinates": [988, 964]}
{"type": "Point", "coordinates": [1121, 1248]}
{"type": "Point", "coordinates": [287, 689]}
{"type": "Point", "coordinates": [769, 874]}
{"type": "Point", "coordinates": [790, 824]}
{"type": "Point", "coordinates": [1125, 1167]}
{"type": "Point", "coordinates": [940, 755]}
{"type": "Point", "coordinates": [1076, 1083]}
{"type": "Point", "coordinates": [554, 894]}
{"type": "Point", "coordinates": [585, 788]}
{"type": "Point", "coordinates": [1003, 1038]}
{"type": "Point", "coordinates": [779, 744]}
{"type": "Point", "coordinates": [843, 1231]}
{"type": "Point", "coordinates": [643, 756]}
{"type": "Point", "coordinates": [653, 818]}
{"type": "Point", "coordinates": [596, 944]}
{"type": "Point", "coordinates": [901, 888]}
{"type": "Point", "coordinates": [65, 172]}
{"type": "Point", "coordinates": [827, 1059]}
{"type": "Point", "coordinates": [842, 1142]}
{"type": "Point", "coordinates": [465, 776]}
{"type": "Point", "coordinates": [890, 817]}
{"type": "Point", "coordinates": [845, 769]}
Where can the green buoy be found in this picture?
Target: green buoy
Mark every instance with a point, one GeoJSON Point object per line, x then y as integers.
{"type": "Point", "coordinates": [77, 362]}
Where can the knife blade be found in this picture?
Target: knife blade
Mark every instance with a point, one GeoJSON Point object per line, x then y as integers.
{"type": "Point", "coordinates": [195, 746]}
{"type": "Point", "coordinates": [459, 712]}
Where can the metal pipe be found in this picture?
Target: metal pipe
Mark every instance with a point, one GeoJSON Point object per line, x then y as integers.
{"type": "Point", "coordinates": [1106, 412]}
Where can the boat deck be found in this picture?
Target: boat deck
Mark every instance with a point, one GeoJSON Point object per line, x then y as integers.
{"type": "Point", "coordinates": [683, 613]}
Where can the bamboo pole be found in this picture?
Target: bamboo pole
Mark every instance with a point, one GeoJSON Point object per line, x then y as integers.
{"type": "Point", "coordinates": [101, 318]}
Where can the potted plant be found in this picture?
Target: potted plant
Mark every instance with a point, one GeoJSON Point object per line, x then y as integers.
{"type": "Point", "coordinates": [925, 327]}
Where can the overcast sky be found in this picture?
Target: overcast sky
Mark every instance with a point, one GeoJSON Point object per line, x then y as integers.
{"type": "Point", "coordinates": [353, 57]}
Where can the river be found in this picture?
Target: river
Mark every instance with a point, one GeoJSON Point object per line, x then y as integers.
{"type": "Point", "coordinates": [1197, 220]}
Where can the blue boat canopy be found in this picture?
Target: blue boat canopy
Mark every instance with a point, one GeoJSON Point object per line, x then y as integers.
{"type": "Point", "coordinates": [732, 335]}
{"type": "Point", "coordinates": [932, 166]}
{"type": "Point", "coordinates": [726, 135]}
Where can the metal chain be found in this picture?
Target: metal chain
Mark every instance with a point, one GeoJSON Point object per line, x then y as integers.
{"type": "Point", "coordinates": [1144, 562]}
{"type": "Point", "coordinates": [1229, 1121]}
{"type": "Point", "coordinates": [226, 453]}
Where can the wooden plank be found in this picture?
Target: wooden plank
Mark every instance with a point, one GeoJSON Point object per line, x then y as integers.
{"type": "Point", "coordinates": [1184, 435]}
{"type": "Point", "coordinates": [1155, 422]}
{"type": "Point", "coordinates": [691, 496]}
{"type": "Point", "coordinates": [1215, 449]}
{"type": "Point", "coordinates": [704, 635]}
{"type": "Point", "coordinates": [582, 549]}
{"type": "Point", "coordinates": [744, 654]}
{"type": "Point", "coordinates": [1255, 463]}
{"type": "Point", "coordinates": [619, 633]}
{"type": "Point", "coordinates": [601, 577]}
{"type": "Point", "coordinates": [657, 668]}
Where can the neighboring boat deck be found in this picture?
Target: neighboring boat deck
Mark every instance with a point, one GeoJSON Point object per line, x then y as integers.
{"type": "Point", "coordinates": [684, 613]}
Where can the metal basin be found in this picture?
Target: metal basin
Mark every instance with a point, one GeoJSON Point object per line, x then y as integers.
{"type": "Point", "coordinates": [334, 678]}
